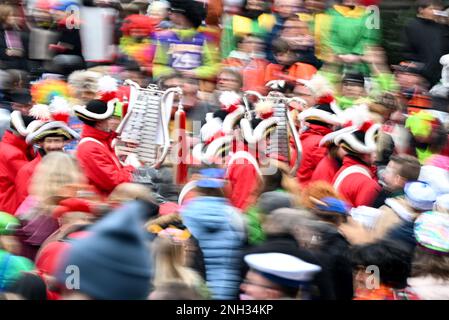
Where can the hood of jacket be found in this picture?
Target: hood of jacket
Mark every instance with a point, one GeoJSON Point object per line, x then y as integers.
{"type": "Point", "coordinates": [401, 207]}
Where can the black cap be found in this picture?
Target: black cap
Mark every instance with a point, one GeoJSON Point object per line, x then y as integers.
{"type": "Point", "coordinates": [409, 67]}
{"type": "Point", "coordinates": [354, 77]}
{"type": "Point", "coordinates": [194, 11]}
{"type": "Point", "coordinates": [21, 96]}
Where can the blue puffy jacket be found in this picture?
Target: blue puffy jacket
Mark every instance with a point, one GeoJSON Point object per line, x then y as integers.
{"type": "Point", "coordinates": [219, 229]}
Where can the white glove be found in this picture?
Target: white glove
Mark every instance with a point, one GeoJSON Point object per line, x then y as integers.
{"type": "Point", "coordinates": [132, 160]}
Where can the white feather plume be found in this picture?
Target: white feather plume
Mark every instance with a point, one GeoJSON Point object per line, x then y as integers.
{"type": "Point", "coordinates": [319, 86]}
{"type": "Point", "coordinates": [40, 112]}
{"type": "Point", "coordinates": [210, 128]}
{"type": "Point", "coordinates": [228, 98]}
{"type": "Point", "coordinates": [59, 105]}
{"type": "Point", "coordinates": [107, 84]}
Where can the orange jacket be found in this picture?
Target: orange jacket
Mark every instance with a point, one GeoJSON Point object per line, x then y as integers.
{"type": "Point", "coordinates": [253, 73]}
{"type": "Point", "coordinates": [298, 70]}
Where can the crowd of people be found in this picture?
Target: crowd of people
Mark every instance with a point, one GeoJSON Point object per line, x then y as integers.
{"type": "Point", "coordinates": [315, 169]}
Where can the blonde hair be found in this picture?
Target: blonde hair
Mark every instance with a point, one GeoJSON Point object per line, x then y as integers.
{"type": "Point", "coordinates": [130, 191]}
{"type": "Point", "coordinates": [54, 172]}
{"type": "Point", "coordinates": [169, 257]}
{"type": "Point", "coordinates": [5, 12]}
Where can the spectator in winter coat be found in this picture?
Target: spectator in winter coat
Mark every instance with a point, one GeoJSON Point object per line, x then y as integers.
{"type": "Point", "coordinates": [296, 32]}
{"type": "Point", "coordinates": [13, 47]}
{"type": "Point", "coordinates": [252, 20]}
{"type": "Point", "coordinates": [400, 170]}
{"type": "Point", "coordinates": [116, 248]}
{"type": "Point", "coordinates": [325, 204]}
{"type": "Point", "coordinates": [219, 229]}
{"type": "Point", "coordinates": [56, 171]}
{"type": "Point", "coordinates": [294, 232]}
{"type": "Point", "coordinates": [249, 60]}
{"type": "Point", "coordinates": [393, 263]}
{"type": "Point", "coordinates": [283, 9]}
{"type": "Point", "coordinates": [350, 33]}
{"type": "Point", "coordinates": [396, 217]}
{"type": "Point", "coordinates": [425, 40]}
{"type": "Point", "coordinates": [287, 66]}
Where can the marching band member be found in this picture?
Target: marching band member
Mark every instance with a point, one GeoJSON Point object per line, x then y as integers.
{"type": "Point", "coordinates": [95, 153]}
{"type": "Point", "coordinates": [318, 121]}
{"type": "Point", "coordinates": [51, 136]}
{"type": "Point", "coordinates": [356, 180]}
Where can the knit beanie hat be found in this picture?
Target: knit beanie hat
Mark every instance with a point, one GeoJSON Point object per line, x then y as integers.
{"type": "Point", "coordinates": [273, 200]}
{"type": "Point", "coordinates": [114, 261]}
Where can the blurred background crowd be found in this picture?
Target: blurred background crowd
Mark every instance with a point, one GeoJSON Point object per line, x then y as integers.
{"type": "Point", "coordinates": [364, 213]}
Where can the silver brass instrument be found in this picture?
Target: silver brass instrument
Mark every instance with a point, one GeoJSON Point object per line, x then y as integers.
{"type": "Point", "coordinates": [144, 131]}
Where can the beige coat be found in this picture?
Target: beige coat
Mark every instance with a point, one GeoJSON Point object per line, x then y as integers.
{"type": "Point", "coordinates": [392, 214]}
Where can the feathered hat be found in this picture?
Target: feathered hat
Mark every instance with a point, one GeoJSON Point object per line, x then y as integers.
{"type": "Point", "coordinates": [217, 134]}
{"type": "Point", "coordinates": [359, 139]}
{"type": "Point", "coordinates": [262, 125]}
{"type": "Point", "coordinates": [24, 125]}
{"type": "Point", "coordinates": [326, 109]}
{"type": "Point", "coordinates": [223, 121]}
{"type": "Point", "coordinates": [54, 121]}
{"type": "Point", "coordinates": [103, 107]}
{"type": "Point", "coordinates": [214, 140]}
{"type": "Point", "coordinates": [325, 112]}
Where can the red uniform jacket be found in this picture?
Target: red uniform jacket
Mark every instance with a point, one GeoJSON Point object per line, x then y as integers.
{"type": "Point", "coordinates": [13, 156]}
{"type": "Point", "coordinates": [358, 189]}
{"type": "Point", "coordinates": [23, 178]}
{"type": "Point", "coordinates": [99, 162]}
{"type": "Point", "coordinates": [312, 153]}
{"type": "Point", "coordinates": [244, 181]}
{"type": "Point", "coordinates": [325, 170]}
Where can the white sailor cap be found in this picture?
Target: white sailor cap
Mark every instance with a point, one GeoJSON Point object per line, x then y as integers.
{"type": "Point", "coordinates": [283, 269]}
